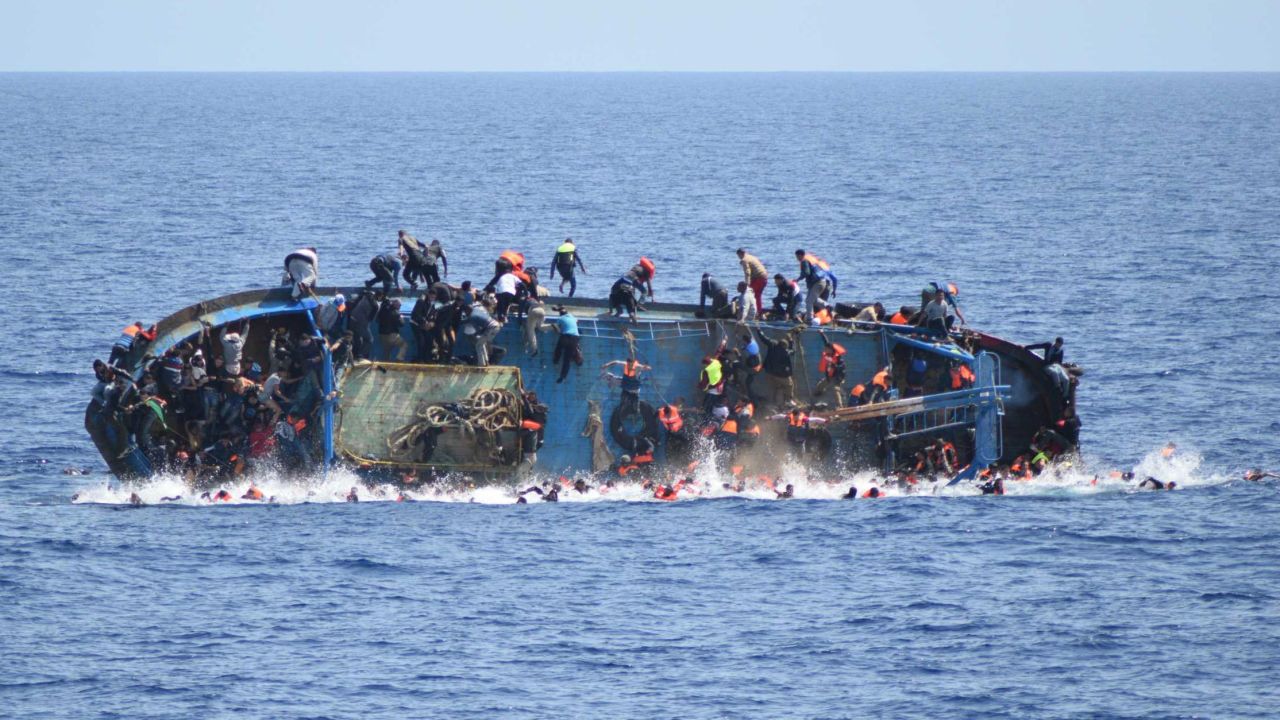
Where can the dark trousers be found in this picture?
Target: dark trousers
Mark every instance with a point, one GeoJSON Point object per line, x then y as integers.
{"type": "Point", "coordinates": [381, 274]}
{"type": "Point", "coordinates": [566, 352]}
{"type": "Point", "coordinates": [567, 275]}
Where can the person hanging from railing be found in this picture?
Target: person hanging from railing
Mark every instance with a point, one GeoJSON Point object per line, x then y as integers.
{"type": "Point", "coordinates": [831, 370]}
{"type": "Point", "coordinates": [881, 385]}
{"type": "Point", "coordinates": [961, 376]}
{"type": "Point", "coordinates": [133, 336]}
{"type": "Point", "coordinates": [568, 345]}
{"type": "Point", "coordinates": [631, 382]}
{"type": "Point", "coordinates": [532, 427]}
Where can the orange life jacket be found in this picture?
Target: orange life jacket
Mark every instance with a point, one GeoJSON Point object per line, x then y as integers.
{"type": "Point", "coordinates": [823, 316]}
{"type": "Point", "coordinates": [872, 493]}
{"type": "Point", "coordinates": [531, 425]}
{"type": "Point", "coordinates": [624, 469]}
{"type": "Point", "coordinates": [881, 380]}
{"type": "Point", "coordinates": [253, 493]}
{"type": "Point", "coordinates": [748, 413]}
{"type": "Point", "coordinates": [857, 391]}
{"type": "Point", "coordinates": [797, 418]}
{"type": "Point", "coordinates": [665, 493]}
{"type": "Point", "coordinates": [899, 319]}
{"type": "Point", "coordinates": [962, 377]}
{"type": "Point", "coordinates": [630, 368]}
{"type": "Point", "coordinates": [132, 330]}
{"type": "Point", "coordinates": [815, 260]}
{"type": "Point", "coordinates": [644, 459]}
{"type": "Point", "coordinates": [729, 426]}
{"type": "Point", "coordinates": [649, 267]}
{"type": "Point", "coordinates": [829, 364]}
{"type": "Point", "coordinates": [670, 417]}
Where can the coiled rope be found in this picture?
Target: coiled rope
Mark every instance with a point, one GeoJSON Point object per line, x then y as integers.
{"type": "Point", "coordinates": [484, 410]}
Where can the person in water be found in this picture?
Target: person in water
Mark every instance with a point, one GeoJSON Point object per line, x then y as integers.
{"type": "Point", "coordinates": [1150, 483]}
{"type": "Point", "coordinates": [1256, 475]}
{"type": "Point", "coordinates": [566, 259]}
{"type": "Point", "coordinates": [353, 496]}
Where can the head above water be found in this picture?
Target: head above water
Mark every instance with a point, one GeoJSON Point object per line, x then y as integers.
{"type": "Point", "coordinates": [800, 254]}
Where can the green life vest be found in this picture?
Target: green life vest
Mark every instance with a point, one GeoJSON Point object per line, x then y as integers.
{"type": "Point", "coordinates": [713, 373]}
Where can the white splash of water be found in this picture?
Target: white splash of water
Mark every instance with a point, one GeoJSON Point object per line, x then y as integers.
{"type": "Point", "coordinates": [705, 482]}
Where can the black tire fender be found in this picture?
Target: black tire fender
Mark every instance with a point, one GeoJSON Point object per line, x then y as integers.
{"type": "Point", "coordinates": [618, 429]}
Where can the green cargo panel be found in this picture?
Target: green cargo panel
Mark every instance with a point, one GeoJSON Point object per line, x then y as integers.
{"type": "Point", "coordinates": [390, 401]}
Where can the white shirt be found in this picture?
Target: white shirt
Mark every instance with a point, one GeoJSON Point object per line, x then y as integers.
{"type": "Point", "coordinates": [507, 284]}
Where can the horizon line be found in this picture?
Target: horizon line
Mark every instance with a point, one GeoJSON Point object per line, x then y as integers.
{"type": "Point", "coordinates": [206, 71]}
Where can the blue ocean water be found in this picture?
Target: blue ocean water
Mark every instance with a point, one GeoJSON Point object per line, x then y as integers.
{"type": "Point", "coordinates": [1137, 215]}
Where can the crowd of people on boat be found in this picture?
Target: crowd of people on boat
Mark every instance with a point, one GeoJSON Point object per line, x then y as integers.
{"type": "Point", "coordinates": [207, 407]}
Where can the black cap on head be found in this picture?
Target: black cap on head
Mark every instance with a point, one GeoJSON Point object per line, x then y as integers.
{"type": "Point", "coordinates": [800, 253]}
{"type": "Point", "coordinates": [742, 251]}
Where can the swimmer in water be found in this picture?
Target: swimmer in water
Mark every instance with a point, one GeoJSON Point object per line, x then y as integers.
{"type": "Point", "coordinates": [403, 498]}
{"type": "Point", "coordinates": [253, 493]}
{"type": "Point", "coordinates": [1256, 475]}
{"type": "Point", "coordinates": [1150, 483]}
{"type": "Point", "coordinates": [353, 496]}
{"type": "Point", "coordinates": [552, 495]}
{"type": "Point", "coordinates": [521, 501]}
{"type": "Point", "coordinates": [852, 494]}
{"type": "Point", "coordinates": [787, 493]}
{"type": "Point", "coordinates": [136, 500]}
{"type": "Point", "coordinates": [1168, 450]}
{"type": "Point", "coordinates": [994, 486]}
{"type": "Point", "coordinates": [174, 498]}
{"type": "Point", "coordinates": [580, 486]}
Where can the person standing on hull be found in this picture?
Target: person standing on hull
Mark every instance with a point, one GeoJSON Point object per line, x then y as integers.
{"type": "Point", "coordinates": [816, 276]}
{"type": "Point", "coordinates": [301, 271]}
{"type": "Point", "coordinates": [414, 260]}
{"type": "Point", "coordinates": [564, 262]}
{"type": "Point", "coordinates": [433, 260]}
{"type": "Point", "coordinates": [568, 349]}
{"type": "Point", "coordinates": [712, 290]}
{"type": "Point", "coordinates": [755, 275]}
{"type": "Point", "coordinates": [386, 270]}
{"type": "Point", "coordinates": [623, 295]}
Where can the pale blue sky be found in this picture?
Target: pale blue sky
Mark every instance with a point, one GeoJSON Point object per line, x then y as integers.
{"type": "Point", "coordinates": [601, 35]}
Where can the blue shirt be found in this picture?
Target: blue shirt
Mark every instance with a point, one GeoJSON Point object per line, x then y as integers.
{"type": "Point", "coordinates": [568, 324]}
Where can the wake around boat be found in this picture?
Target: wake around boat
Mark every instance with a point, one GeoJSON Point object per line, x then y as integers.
{"type": "Point", "coordinates": [424, 389]}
